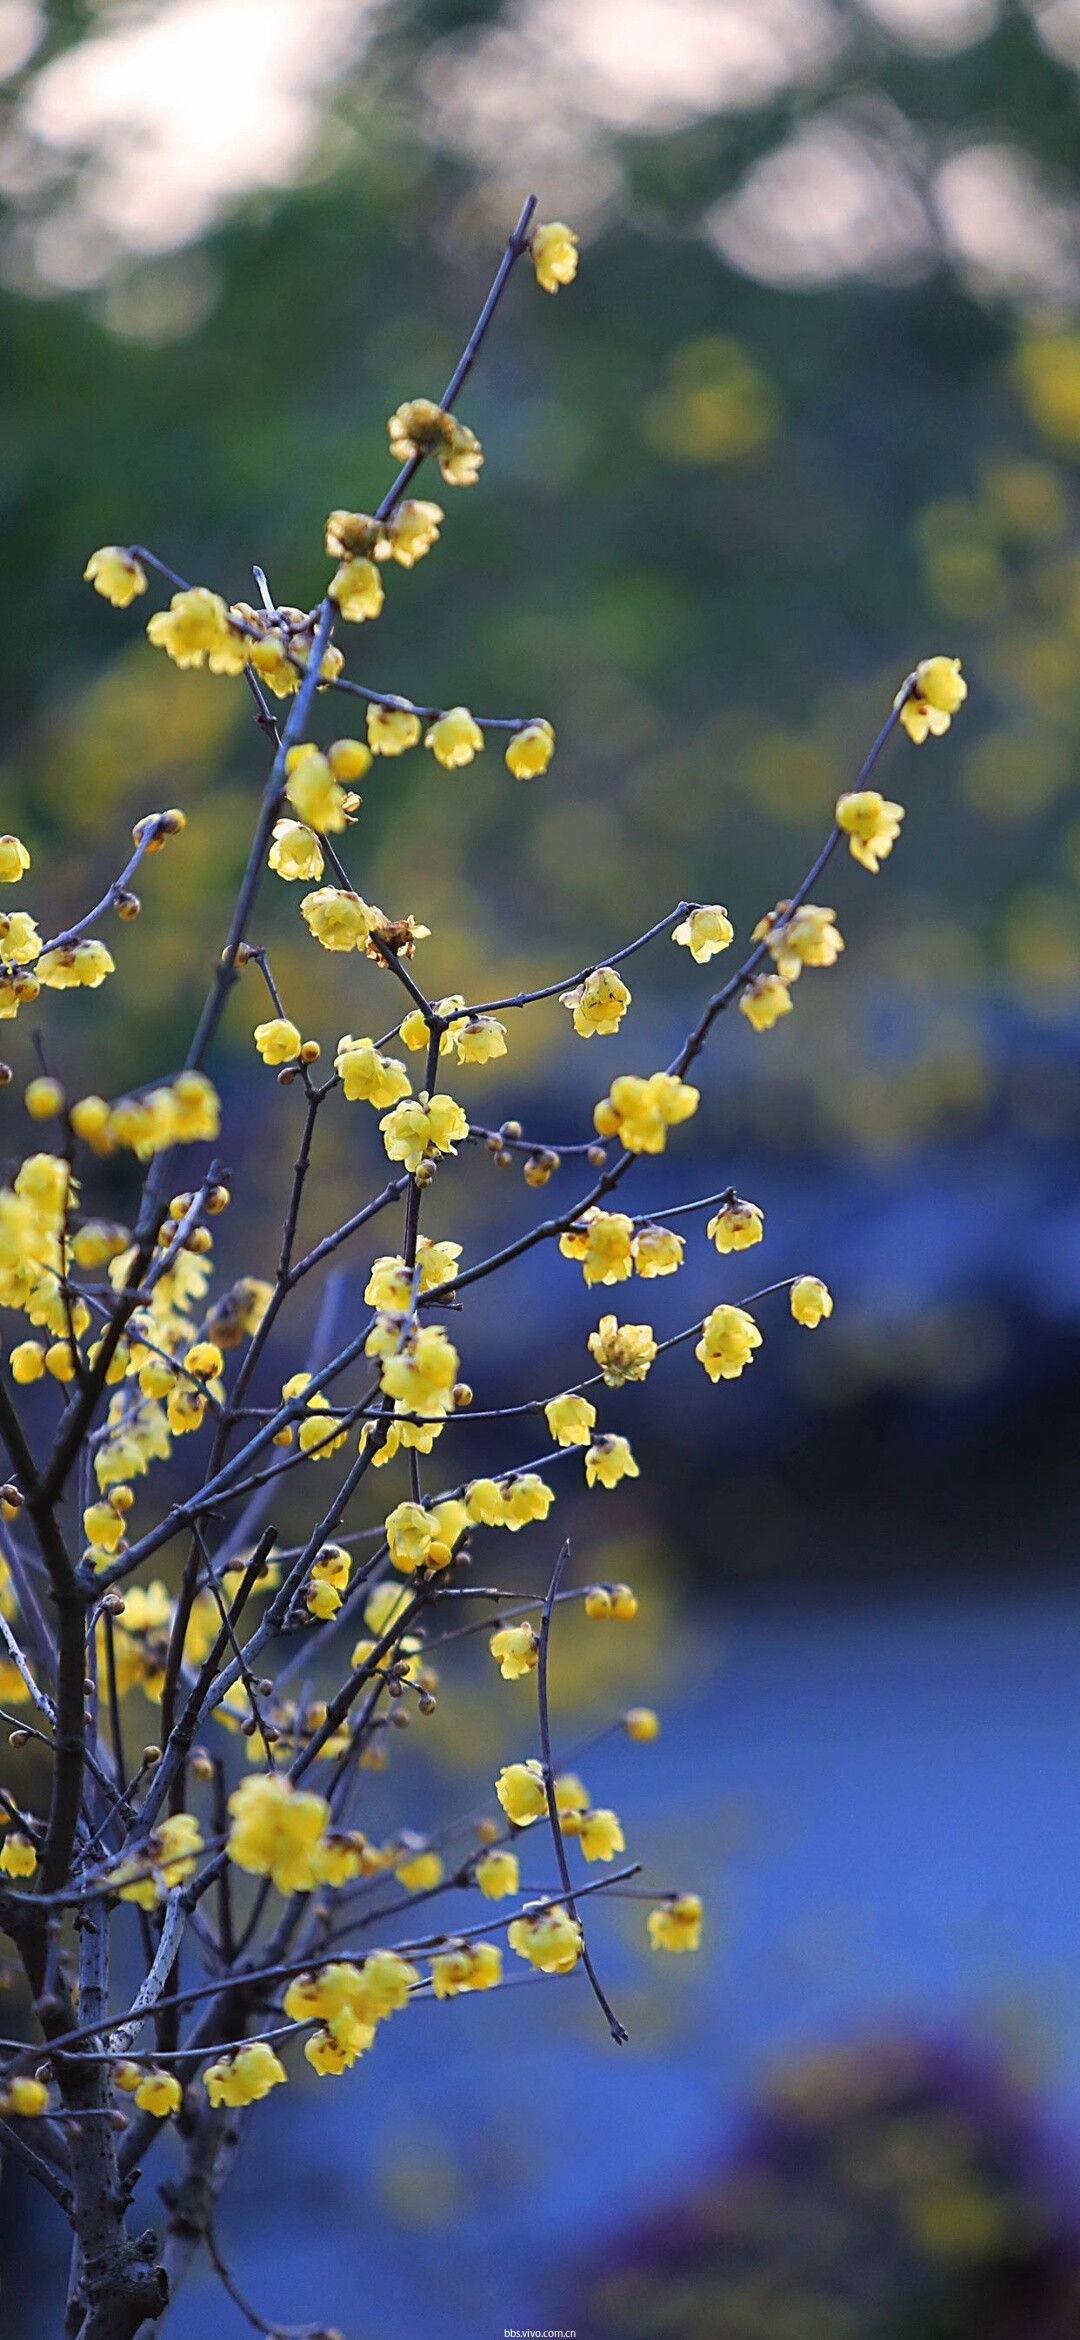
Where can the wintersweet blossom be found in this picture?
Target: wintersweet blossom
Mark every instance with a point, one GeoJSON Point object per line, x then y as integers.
{"type": "Point", "coordinates": [515, 1649]}
{"type": "Point", "coordinates": [729, 1337]}
{"type": "Point", "coordinates": [623, 1352]}
{"type": "Point", "coordinates": [247, 2076]}
{"type": "Point", "coordinates": [554, 250]}
{"type": "Point", "coordinates": [871, 825]}
{"type": "Point", "coordinates": [530, 750]}
{"type": "Point", "coordinates": [115, 573]}
{"type": "Point", "coordinates": [640, 1112]}
{"type": "Point", "coordinates": [676, 1924]}
{"type": "Point", "coordinates": [599, 1003]}
{"type": "Point", "coordinates": [570, 1420]}
{"type": "Point", "coordinates": [608, 1460]}
{"type": "Point", "coordinates": [764, 1001]}
{"type": "Point", "coordinates": [705, 931]}
{"type": "Point", "coordinates": [811, 1300]}
{"type": "Point", "coordinates": [551, 1940]}
{"type": "Point", "coordinates": [276, 1830]}
{"type": "Point", "coordinates": [454, 738]}
{"type": "Point", "coordinates": [521, 1792]}
{"type": "Point", "coordinates": [736, 1225]}
{"type": "Point", "coordinates": [939, 692]}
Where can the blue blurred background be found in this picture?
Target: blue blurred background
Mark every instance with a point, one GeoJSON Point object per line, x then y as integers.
{"type": "Point", "coordinates": [811, 412]}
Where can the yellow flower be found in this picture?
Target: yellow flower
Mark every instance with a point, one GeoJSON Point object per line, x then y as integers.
{"type": "Point", "coordinates": [728, 1340]}
{"type": "Point", "coordinates": [43, 1099]}
{"type": "Point", "coordinates": [810, 1301]}
{"type": "Point", "coordinates": [27, 1362]}
{"type": "Point", "coordinates": [497, 1874]}
{"type": "Point", "coordinates": [603, 1242]}
{"type": "Point", "coordinates": [413, 1029]}
{"type": "Point", "coordinates": [515, 1649]}
{"type": "Point", "coordinates": [640, 1112]}
{"type": "Point", "coordinates": [624, 1352]}
{"type": "Point", "coordinates": [939, 693]}
{"type": "Point", "coordinates": [530, 750]}
{"type": "Point", "coordinates": [570, 1420]}
{"type": "Point", "coordinates": [658, 1251]}
{"type": "Point", "coordinates": [327, 2052]}
{"type": "Point", "coordinates": [159, 2093]}
{"type": "Point", "coordinates": [737, 1225]}
{"type": "Point", "coordinates": [608, 1460]}
{"type": "Point", "coordinates": [315, 796]}
{"type": "Point", "coordinates": [422, 1125]}
{"type": "Point", "coordinates": [338, 920]}
{"type": "Point", "coordinates": [454, 738]}
{"type": "Point", "coordinates": [551, 1941]}
{"type": "Point", "coordinates": [391, 730]}
{"type": "Point", "coordinates": [368, 1078]}
{"type": "Point", "coordinates": [169, 1856]}
{"type": "Point", "coordinates": [196, 626]}
{"type": "Point", "coordinates": [411, 531]}
{"type": "Point", "coordinates": [247, 2076]}
{"type": "Point", "coordinates": [599, 1004]}
{"type": "Point", "coordinates": [485, 1503]}
{"type": "Point", "coordinates": [19, 940]}
{"type": "Point", "coordinates": [526, 1497]}
{"type": "Point", "coordinates": [25, 2097]}
{"type": "Point", "coordinates": [871, 824]}
{"type": "Point", "coordinates": [554, 251]}
{"type": "Point", "coordinates": [806, 937]}
{"type": "Point", "coordinates": [357, 589]}
{"type": "Point", "coordinates": [82, 963]}
{"type": "Point", "coordinates": [642, 1724]}
{"type": "Point", "coordinates": [676, 1924]}
{"type": "Point", "coordinates": [420, 1872]}
{"type": "Point", "coordinates": [422, 1374]}
{"type": "Point", "coordinates": [764, 1001]}
{"type": "Point", "coordinates": [419, 427]}
{"type": "Point", "coordinates": [276, 1830]}
{"type": "Point", "coordinates": [18, 1857]}
{"type": "Point", "coordinates": [349, 533]}
{"type": "Point", "coordinates": [14, 859]}
{"type": "Point", "coordinates": [296, 852]}
{"type": "Point", "coordinates": [606, 1601]}
{"type": "Point", "coordinates": [598, 1833]}
{"type": "Point", "coordinates": [115, 573]}
{"type": "Point", "coordinates": [479, 1039]}
{"type": "Point", "coordinates": [278, 1041]}
{"type": "Point", "coordinates": [705, 931]}
{"type": "Point", "coordinates": [521, 1792]}
{"type": "Point", "coordinates": [466, 1966]}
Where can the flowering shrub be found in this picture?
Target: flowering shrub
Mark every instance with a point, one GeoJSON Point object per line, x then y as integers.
{"type": "Point", "coordinates": [266, 1921]}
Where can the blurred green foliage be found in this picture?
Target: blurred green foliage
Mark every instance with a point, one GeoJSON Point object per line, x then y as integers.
{"type": "Point", "coordinates": [717, 523]}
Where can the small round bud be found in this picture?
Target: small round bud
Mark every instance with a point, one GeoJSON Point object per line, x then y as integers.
{"type": "Point", "coordinates": [149, 1758]}
{"type": "Point", "coordinates": [43, 1099]}
{"type": "Point", "coordinates": [113, 1604]}
{"type": "Point", "coordinates": [287, 1076]}
{"type": "Point", "coordinates": [11, 1496]}
{"type": "Point", "coordinates": [504, 1160]}
{"type": "Point", "coordinates": [426, 1704]}
{"type": "Point", "coordinates": [424, 1173]}
{"type": "Point", "coordinates": [488, 1830]}
{"type": "Point", "coordinates": [494, 1143]}
{"type": "Point", "coordinates": [461, 1394]}
{"type": "Point", "coordinates": [7, 1075]}
{"type": "Point", "coordinates": [180, 1205]}
{"type": "Point", "coordinates": [218, 1200]}
{"type": "Point", "coordinates": [116, 2119]}
{"type": "Point", "coordinates": [173, 821]}
{"type": "Point", "coordinates": [127, 905]}
{"type": "Point", "coordinates": [249, 1727]}
{"type": "Point", "coordinates": [244, 955]}
{"type": "Point", "coordinates": [18, 1738]}
{"type": "Point", "coordinates": [395, 1687]}
{"type": "Point", "coordinates": [202, 1764]}
{"type": "Point", "coordinates": [200, 1239]}
{"type": "Point", "coordinates": [597, 1155]}
{"type": "Point", "coordinates": [511, 1129]}
{"type": "Point", "coordinates": [310, 1052]}
{"type": "Point", "coordinates": [264, 1687]}
{"type": "Point", "coordinates": [401, 1718]}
